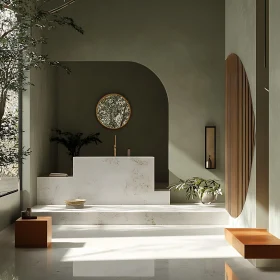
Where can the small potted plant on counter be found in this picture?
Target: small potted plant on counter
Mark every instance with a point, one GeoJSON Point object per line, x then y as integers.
{"type": "Point", "coordinates": [206, 190]}
{"type": "Point", "coordinates": [73, 142]}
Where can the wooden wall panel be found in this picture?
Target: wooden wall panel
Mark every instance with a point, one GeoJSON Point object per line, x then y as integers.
{"type": "Point", "coordinates": [240, 135]}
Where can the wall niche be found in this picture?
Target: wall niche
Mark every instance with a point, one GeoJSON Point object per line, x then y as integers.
{"type": "Point", "coordinates": [146, 133]}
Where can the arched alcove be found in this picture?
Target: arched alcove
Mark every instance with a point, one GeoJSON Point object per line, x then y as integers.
{"type": "Point", "coordinates": [146, 133]}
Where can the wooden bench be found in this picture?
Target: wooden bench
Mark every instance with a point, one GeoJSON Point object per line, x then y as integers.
{"type": "Point", "coordinates": [253, 243]}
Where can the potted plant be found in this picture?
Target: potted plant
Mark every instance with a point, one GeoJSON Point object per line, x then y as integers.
{"type": "Point", "coordinates": [73, 142]}
{"type": "Point", "coordinates": [207, 190]}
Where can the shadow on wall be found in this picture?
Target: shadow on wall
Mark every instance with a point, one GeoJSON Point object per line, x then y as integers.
{"type": "Point", "coordinates": [25, 200]}
{"type": "Point", "coordinates": [146, 133]}
{"type": "Point", "coordinates": [9, 209]}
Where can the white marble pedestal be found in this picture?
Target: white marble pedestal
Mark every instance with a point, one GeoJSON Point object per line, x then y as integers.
{"type": "Point", "coordinates": [105, 181]}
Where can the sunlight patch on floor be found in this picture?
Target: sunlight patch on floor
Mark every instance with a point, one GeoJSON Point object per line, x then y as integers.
{"type": "Point", "coordinates": [143, 248]}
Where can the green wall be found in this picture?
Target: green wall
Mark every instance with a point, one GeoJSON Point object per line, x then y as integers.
{"type": "Point", "coordinates": [183, 43]}
{"type": "Point", "coordinates": [146, 133]}
{"type": "Point", "coordinates": [38, 120]}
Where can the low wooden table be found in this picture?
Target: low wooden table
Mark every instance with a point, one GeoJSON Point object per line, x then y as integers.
{"type": "Point", "coordinates": [33, 233]}
{"type": "Point", "coordinates": [253, 243]}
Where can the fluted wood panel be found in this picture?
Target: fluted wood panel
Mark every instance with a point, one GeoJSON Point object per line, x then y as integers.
{"type": "Point", "coordinates": [240, 135]}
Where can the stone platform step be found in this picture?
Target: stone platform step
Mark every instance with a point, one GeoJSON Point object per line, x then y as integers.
{"type": "Point", "coordinates": [178, 214]}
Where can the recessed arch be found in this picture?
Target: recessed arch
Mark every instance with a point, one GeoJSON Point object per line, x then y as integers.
{"type": "Point", "coordinates": [146, 133]}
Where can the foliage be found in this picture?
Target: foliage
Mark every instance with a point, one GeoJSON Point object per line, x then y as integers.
{"type": "Point", "coordinates": [22, 23]}
{"type": "Point", "coordinates": [196, 187]}
{"type": "Point", "coordinates": [10, 156]}
{"type": "Point", "coordinates": [21, 26]}
{"type": "Point", "coordinates": [73, 142]}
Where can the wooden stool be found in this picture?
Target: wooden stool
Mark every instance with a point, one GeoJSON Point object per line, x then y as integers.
{"type": "Point", "coordinates": [33, 233]}
{"type": "Point", "coordinates": [253, 243]}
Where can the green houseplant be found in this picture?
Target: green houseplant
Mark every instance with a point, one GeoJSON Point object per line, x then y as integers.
{"type": "Point", "coordinates": [206, 190]}
{"type": "Point", "coordinates": [73, 142]}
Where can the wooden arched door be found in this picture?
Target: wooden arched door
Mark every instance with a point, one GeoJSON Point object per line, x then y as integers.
{"type": "Point", "coordinates": [240, 135]}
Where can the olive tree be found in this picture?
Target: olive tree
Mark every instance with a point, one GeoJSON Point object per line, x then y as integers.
{"type": "Point", "coordinates": [22, 26]}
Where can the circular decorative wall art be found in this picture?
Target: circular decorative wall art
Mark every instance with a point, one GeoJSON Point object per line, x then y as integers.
{"type": "Point", "coordinates": [113, 111]}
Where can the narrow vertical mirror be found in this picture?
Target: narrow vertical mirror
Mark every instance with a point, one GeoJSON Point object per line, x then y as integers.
{"type": "Point", "coordinates": [210, 147]}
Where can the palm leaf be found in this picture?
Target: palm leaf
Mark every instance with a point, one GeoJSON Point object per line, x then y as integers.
{"type": "Point", "coordinates": [73, 142]}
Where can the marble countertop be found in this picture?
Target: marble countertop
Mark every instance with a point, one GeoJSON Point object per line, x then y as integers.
{"type": "Point", "coordinates": [119, 157]}
{"type": "Point", "coordinates": [188, 207]}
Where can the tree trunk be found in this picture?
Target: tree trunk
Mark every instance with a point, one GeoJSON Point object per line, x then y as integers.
{"type": "Point", "coordinates": [2, 106]}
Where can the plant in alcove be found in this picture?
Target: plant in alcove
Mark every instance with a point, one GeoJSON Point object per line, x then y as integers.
{"type": "Point", "coordinates": [73, 142]}
{"type": "Point", "coordinates": [205, 189]}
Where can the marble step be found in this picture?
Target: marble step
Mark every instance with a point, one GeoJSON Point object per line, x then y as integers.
{"type": "Point", "coordinates": [106, 180]}
{"type": "Point", "coordinates": [183, 214]}
{"type": "Point", "coordinates": [54, 191]}
{"type": "Point", "coordinates": [120, 231]}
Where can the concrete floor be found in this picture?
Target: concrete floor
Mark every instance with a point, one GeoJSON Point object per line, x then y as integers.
{"type": "Point", "coordinates": [127, 252]}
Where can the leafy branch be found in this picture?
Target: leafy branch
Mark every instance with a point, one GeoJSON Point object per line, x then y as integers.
{"type": "Point", "coordinates": [73, 142]}
{"type": "Point", "coordinates": [196, 187]}
{"type": "Point", "coordinates": [21, 26]}
{"type": "Point", "coordinates": [10, 152]}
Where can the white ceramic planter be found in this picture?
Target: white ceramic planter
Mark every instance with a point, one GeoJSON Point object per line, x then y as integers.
{"type": "Point", "coordinates": [208, 198]}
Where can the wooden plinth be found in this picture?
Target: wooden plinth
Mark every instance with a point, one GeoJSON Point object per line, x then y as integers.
{"type": "Point", "coordinates": [35, 233]}
{"type": "Point", "coordinates": [254, 243]}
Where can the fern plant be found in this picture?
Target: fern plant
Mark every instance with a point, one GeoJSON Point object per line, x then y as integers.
{"type": "Point", "coordinates": [73, 142]}
{"type": "Point", "coordinates": [196, 187]}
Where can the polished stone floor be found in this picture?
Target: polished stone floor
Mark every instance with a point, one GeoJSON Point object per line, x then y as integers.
{"type": "Point", "coordinates": [128, 252]}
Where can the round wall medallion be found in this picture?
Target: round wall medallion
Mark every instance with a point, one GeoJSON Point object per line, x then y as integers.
{"type": "Point", "coordinates": [113, 111]}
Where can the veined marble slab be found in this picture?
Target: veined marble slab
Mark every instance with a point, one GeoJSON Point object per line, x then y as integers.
{"type": "Point", "coordinates": [185, 214]}
{"type": "Point", "coordinates": [105, 180]}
